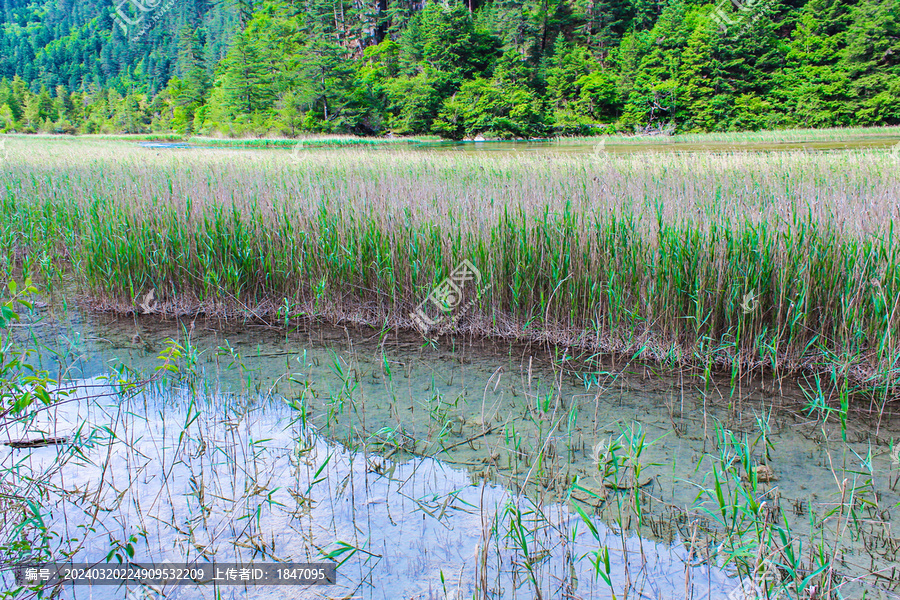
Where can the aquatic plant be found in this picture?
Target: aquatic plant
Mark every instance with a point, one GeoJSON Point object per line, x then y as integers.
{"type": "Point", "coordinates": [788, 261]}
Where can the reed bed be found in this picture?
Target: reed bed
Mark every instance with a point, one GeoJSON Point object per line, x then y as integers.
{"type": "Point", "coordinates": [742, 261]}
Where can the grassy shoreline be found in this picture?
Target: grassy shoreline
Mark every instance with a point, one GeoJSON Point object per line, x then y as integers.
{"type": "Point", "coordinates": [866, 136]}
{"type": "Point", "coordinates": [789, 262]}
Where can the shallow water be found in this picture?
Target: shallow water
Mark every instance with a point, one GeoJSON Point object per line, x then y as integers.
{"type": "Point", "coordinates": [653, 144]}
{"type": "Point", "coordinates": [599, 147]}
{"type": "Point", "coordinates": [439, 470]}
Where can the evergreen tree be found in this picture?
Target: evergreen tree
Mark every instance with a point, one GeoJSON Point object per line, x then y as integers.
{"type": "Point", "coordinates": [411, 67]}
{"type": "Point", "coordinates": [245, 77]}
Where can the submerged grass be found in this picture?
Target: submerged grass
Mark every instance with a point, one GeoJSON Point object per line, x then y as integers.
{"type": "Point", "coordinates": [788, 261]}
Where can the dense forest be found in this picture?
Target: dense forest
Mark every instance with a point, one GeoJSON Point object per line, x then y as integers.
{"type": "Point", "coordinates": [503, 68]}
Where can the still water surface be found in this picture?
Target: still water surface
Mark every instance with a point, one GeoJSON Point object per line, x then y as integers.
{"type": "Point", "coordinates": [425, 470]}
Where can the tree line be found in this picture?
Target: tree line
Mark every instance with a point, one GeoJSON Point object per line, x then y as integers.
{"type": "Point", "coordinates": [455, 68]}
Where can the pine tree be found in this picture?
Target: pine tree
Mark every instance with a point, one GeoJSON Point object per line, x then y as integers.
{"type": "Point", "coordinates": [656, 96]}
{"type": "Point", "coordinates": [245, 77]}
{"type": "Point", "coordinates": [703, 81]}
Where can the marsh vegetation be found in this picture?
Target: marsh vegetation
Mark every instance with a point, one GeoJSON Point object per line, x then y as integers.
{"type": "Point", "coordinates": [677, 381]}
{"type": "Point", "coordinates": [787, 261]}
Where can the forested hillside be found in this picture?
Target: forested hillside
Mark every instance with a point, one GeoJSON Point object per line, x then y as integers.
{"type": "Point", "coordinates": [506, 68]}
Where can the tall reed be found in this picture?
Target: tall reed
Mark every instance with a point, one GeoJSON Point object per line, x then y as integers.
{"type": "Point", "coordinates": [785, 260]}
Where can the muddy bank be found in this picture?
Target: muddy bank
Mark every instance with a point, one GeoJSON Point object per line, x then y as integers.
{"type": "Point", "coordinates": [474, 327]}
